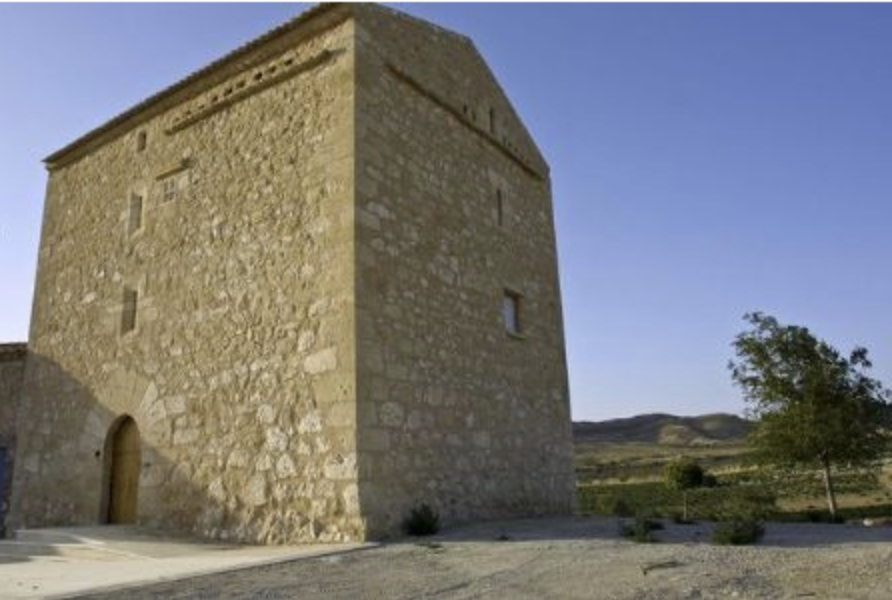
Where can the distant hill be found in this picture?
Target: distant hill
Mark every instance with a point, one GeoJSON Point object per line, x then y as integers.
{"type": "Point", "coordinates": [662, 429]}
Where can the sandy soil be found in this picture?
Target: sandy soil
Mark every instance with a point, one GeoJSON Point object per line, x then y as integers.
{"type": "Point", "coordinates": [574, 558]}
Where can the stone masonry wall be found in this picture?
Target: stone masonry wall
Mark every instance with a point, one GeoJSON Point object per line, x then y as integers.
{"type": "Point", "coordinates": [12, 370]}
{"type": "Point", "coordinates": [240, 369]}
{"type": "Point", "coordinates": [290, 271]}
{"type": "Point", "coordinates": [452, 410]}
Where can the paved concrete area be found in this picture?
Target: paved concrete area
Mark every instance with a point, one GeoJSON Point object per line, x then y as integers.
{"type": "Point", "coordinates": [530, 559]}
{"type": "Point", "coordinates": [572, 558]}
{"type": "Point", "coordinates": [58, 563]}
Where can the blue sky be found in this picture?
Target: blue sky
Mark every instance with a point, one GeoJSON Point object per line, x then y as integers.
{"type": "Point", "coordinates": [707, 160]}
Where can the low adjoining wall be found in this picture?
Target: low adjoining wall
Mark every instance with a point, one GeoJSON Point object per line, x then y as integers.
{"type": "Point", "coordinates": [12, 367]}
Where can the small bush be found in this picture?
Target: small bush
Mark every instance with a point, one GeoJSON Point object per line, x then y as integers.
{"type": "Point", "coordinates": [641, 530]}
{"type": "Point", "coordinates": [727, 501]}
{"type": "Point", "coordinates": [422, 520]}
{"type": "Point", "coordinates": [746, 503]}
{"type": "Point", "coordinates": [679, 519]}
{"type": "Point", "coordinates": [683, 474]}
{"type": "Point", "coordinates": [737, 533]}
{"type": "Point", "coordinates": [815, 516]}
{"type": "Point", "coordinates": [621, 508]}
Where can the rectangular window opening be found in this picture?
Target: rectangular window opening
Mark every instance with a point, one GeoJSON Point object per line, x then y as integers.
{"type": "Point", "coordinates": [128, 313]}
{"type": "Point", "coordinates": [141, 139]}
{"type": "Point", "coordinates": [511, 312]}
{"type": "Point", "coordinates": [134, 214]}
{"type": "Point", "coordinates": [500, 208]}
{"type": "Point", "coordinates": [170, 188]}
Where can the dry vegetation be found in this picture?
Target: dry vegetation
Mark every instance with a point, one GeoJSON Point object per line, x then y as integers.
{"type": "Point", "coordinates": [620, 466]}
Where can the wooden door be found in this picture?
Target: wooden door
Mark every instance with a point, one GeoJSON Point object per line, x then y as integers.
{"type": "Point", "coordinates": [124, 475]}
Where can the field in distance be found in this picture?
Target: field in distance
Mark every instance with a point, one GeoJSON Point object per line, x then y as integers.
{"type": "Point", "coordinates": [638, 448]}
{"type": "Point", "coordinates": [621, 462]}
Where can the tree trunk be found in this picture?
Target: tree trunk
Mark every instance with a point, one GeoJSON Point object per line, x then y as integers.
{"type": "Point", "coordinates": [684, 503]}
{"type": "Point", "coordinates": [828, 484]}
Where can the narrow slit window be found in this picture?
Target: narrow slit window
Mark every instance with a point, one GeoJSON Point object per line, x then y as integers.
{"type": "Point", "coordinates": [134, 214]}
{"type": "Point", "coordinates": [141, 139]}
{"type": "Point", "coordinates": [511, 312]}
{"type": "Point", "coordinates": [128, 313]}
{"type": "Point", "coordinates": [500, 208]}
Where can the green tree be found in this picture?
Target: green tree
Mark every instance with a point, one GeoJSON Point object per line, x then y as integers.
{"type": "Point", "coordinates": [683, 474]}
{"type": "Point", "coordinates": [813, 407]}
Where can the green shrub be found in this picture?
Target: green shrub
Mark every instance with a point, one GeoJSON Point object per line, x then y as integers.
{"type": "Point", "coordinates": [814, 515]}
{"type": "Point", "coordinates": [422, 520]}
{"type": "Point", "coordinates": [621, 508]}
{"type": "Point", "coordinates": [683, 474]}
{"type": "Point", "coordinates": [621, 500]}
{"type": "Point", "coordinates": [737, 533]}
{"type": "Point", "coordinates": [641, 530]}
{"type": "Point", "coordinates": [679, 519]}
{"type": "Point", "coordinates": [745, 503]}
{"type": "Point", "coordinates": [727, 501]}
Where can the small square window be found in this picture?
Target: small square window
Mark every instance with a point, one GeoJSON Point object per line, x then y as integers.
{"type": "Point", "coordinates": [170, 189]}
{"type": "Point", "coordinates": [128, 312]}
{"type": "Point", "coordinates": [511, 312]}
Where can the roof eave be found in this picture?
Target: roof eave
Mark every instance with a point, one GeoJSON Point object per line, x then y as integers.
{"type": "Point", "coordinates": [309, 20]}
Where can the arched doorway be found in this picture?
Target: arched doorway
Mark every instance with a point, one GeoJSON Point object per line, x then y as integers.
{"type": "Point", "coordinates": [123, 459]}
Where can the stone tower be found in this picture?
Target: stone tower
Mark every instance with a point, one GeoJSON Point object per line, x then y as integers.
{"type": "Point", "coordinates": [298, 292]}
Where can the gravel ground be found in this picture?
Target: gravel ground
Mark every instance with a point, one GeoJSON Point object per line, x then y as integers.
{"type": "Point", "coordinates": [573, 558]}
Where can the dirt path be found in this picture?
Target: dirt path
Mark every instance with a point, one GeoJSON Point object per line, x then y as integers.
{"type": "Point", "coordinates": [575, 558]}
